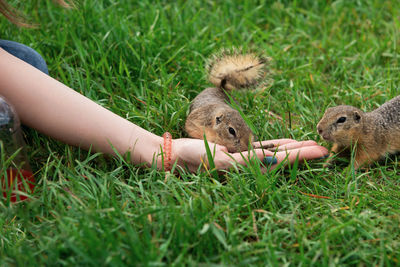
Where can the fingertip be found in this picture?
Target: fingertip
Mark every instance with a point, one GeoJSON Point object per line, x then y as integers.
{"type": "Point", "coordinates": [324, 151]}
{"type": "Point", "coordinates": [317, 152]}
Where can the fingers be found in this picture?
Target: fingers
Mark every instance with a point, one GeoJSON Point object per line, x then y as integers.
{"type": "Point", "coordinates": [228, 159]}
{"type": "Point", "coordinates": [306, 150]}
{"type": "Point", "coordinates": [295, 145]}
{"type": "Point", "coordinates": [303, 153]}
{"type": "Point", "coordinates": [289, 143]}
{"type": "Point", "coordinates": [275, 142]}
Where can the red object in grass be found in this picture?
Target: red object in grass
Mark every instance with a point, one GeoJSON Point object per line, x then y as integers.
{"type": "Point", "coordinates": [24, 180]}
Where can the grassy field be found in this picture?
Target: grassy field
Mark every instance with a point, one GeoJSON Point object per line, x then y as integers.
{"type": "Point", "coordinates": [145, 61]}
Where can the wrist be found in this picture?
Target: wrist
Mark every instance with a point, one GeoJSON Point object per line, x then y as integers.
{"type": "Point", "coordinates": [167, 155]}
{"type": "Point", "coordinates": [145, 147]}
{"type": "Point", "coordinates": [167, 151]}
{"type": "Point", "coordinates": [153, 150]}
{"type": "Point", "coordinates": [158, 152]}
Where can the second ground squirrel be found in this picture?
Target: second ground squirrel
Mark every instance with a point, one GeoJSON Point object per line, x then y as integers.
{"type": "Point", "coordinates": [210, 114]}
{"type": "Point", "coordinates": [373, 134]}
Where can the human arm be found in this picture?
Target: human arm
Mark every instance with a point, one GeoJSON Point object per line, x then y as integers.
{"type": "Point", "coordinates": [56, 110]}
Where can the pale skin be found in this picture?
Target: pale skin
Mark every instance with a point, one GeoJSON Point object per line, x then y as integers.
{"type": "Point", "coordinates": [54, 109]}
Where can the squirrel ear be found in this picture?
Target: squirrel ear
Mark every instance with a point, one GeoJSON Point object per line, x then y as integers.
{"type": "Point", "coordinates": [357, 116]}
{"type": "Point", "coordinates": [218, 119]}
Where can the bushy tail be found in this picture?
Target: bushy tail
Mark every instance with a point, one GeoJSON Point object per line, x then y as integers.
{"type": "Point", "coordinates": [232, 69]}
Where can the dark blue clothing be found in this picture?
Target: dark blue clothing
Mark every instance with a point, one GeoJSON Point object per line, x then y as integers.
{"type": "Point", "coordinates": [26, 54]}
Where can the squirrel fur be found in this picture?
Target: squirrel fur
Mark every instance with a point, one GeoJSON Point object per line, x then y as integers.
{"type": "Point", "coordinates": [372, 133]}
{"type": "Point", "coordinates": [210, 114]}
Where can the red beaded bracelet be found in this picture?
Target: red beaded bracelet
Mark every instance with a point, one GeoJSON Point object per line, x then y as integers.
{"type": "Point", "coordinates": [167, 151]}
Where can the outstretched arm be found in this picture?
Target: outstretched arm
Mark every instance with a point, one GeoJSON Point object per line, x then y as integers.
{"type": "Point", "coordinates": [56, 110]}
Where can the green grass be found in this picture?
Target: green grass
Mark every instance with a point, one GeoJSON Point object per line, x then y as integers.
{"type": "Point", "coordinates": [145, 61]}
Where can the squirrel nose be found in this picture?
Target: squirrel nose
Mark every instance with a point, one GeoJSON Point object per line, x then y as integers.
{"type": "Point", "coordinates": [319, 130]}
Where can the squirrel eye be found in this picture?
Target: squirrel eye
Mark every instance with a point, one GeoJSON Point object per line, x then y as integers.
{"type": "Point", "coordinates": [232, 131]}
{"type": "Point", "coordinates": [341, 120]}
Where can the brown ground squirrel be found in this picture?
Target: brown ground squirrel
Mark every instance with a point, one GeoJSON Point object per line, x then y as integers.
{"type": "Point", "coordinates": [209, 112]}
{"type": "Point", "coordinates": [373, 133]}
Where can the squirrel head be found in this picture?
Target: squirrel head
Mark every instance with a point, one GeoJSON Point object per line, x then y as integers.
{"type": "Point", "coordinates": [341, 125]}
{"type": "Point", "coordinates": [232, 131]}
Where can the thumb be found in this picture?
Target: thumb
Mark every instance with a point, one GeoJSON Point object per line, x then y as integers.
{"type": "Point", "coordinates": [221, 148]}
{"type": "Point", "coordinates": [215, 147]}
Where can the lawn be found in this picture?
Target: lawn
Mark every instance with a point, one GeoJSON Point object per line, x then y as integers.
{"type": "Point", "coordinates": [144, 60]}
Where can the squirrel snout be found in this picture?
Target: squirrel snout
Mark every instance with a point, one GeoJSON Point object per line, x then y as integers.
{"type": "Point", "coordinates": [324, 134]}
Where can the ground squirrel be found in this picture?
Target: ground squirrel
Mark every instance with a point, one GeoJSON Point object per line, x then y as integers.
{"type": "Point", "coordinates": [210, 115]}
{"type": "Point", "coordinates": [373, 133]}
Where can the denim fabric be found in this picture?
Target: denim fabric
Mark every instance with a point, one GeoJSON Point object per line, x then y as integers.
{"type": "Point", "coordinates": [25, 53]}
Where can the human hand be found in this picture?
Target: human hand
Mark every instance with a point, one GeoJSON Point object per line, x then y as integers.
{"type": "Point", "coordinates": [192, 152]}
